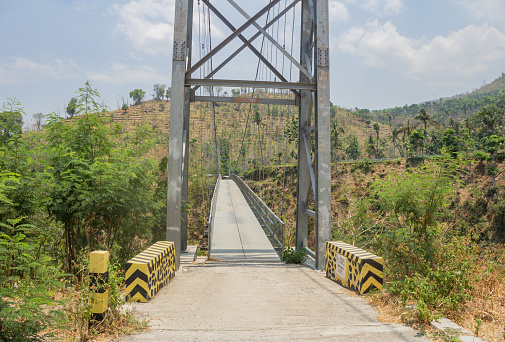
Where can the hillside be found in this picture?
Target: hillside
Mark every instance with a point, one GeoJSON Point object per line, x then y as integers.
{"type": "Point", "coordinates": [457, 107]}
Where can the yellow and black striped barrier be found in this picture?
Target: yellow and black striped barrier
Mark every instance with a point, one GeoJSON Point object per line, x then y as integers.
{"type": "Point", "coordinates": [99, 274]}
{"type": "Point", "coordinates": [149, 271]}
{"type": "Point", "coordinates": [353, 267]}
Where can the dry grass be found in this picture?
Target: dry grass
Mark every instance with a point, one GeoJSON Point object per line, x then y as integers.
{"type": "Point", "coordinates": [77, 328]}
{"type": "Point", "coordinates": [484, 315]}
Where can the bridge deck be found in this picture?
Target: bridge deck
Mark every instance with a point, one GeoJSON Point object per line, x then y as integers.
{"type": "Point", "coordinates": [249, 295]}
{"type": "Point", "coordinates": [237, 234]}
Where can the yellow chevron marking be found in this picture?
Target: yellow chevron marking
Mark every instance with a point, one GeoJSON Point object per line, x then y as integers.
{"type": "Point", "coordinates": [138, 298]}
{"type": "Point", "coordinates": [139, 282]}
{"type": "Point", "coordinates": [160, 260]}
{"type": "Point", "coordinates": [371, 281]}
{"type": "Point", "coordinates": [141, 267]}
{"type": "Point", "coordinates": [357, 268]}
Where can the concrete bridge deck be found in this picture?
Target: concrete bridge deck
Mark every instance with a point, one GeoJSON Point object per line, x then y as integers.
{"type": "Point", "coordinates": [238, 236]}
{"type": "Point", "coordinates": [250, 295]}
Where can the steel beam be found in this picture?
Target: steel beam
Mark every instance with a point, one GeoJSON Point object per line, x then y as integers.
{"type": "Point", "coordinates": [251, 84]}
{"type": "Point", "coordinates": [185, 173]}
{"type": "Point", "coordinates": [304, 118]}
{"type": "Point", "coordinates": [182, 21]}
{"type": "Point", "coordinates": [232, 36]}
{"type": "Point", "coordinates": [244, 40]}
{"type": "Point", "coordinates": [233, 55]}
{"type": "Point", "coordinates": [270, 38]}
{"type": "Point", "coordinates": [322, 105]}
{"type": "Point", "coordinates": [280, 102]}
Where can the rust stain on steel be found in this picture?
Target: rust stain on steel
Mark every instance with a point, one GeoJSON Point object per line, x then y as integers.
{"type": "Point", "coordinates": [246, 100]}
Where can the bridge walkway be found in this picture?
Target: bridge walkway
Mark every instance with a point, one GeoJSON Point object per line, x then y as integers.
{"type": "Point", "coordinates": [237, 235]}
{"type": "Point", "coordinates": [250, 295]}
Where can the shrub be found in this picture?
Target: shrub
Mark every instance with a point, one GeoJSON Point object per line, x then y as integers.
{"type": "Point", "coordinates": [27, 281]}
{"type": "Point", "coordinates": [294, 256]}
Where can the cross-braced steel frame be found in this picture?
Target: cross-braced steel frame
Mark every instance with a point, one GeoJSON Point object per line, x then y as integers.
{"type": "Point", "coordinates": [312, 95]}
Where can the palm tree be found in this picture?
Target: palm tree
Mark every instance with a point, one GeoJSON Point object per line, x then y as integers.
{"type": "Point", "coordinates": [426, 119]}
{"type": "Point", "coordinates": [404, 131]}
{"type": "Point", "coordinates": [491, 117]}
{"type": "Point", "coordinates": [336, 130]}
{"type": "Point", "coordinates": [376, 129]}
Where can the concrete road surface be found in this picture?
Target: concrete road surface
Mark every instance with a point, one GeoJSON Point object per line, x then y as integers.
{"type": "Point", "coordinates": [248, 301]}
{"type": "Point", "coordinates": [250, 295]}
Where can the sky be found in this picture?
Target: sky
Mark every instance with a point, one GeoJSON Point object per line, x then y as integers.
{"type": "Point", "coordinates": [383, 53]}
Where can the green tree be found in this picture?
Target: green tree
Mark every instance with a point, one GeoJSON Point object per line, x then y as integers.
{"type": "Point", "coordinates": [27, 278]}
{"type": "Point", "coordinates": [336, 131]}
{"type": "Point", "coordinates": [426, 119]}
{"type": "Point", "coordinates": [159, 91]}
{"type": "Point", "coordinates": [451, 142]}
{"type": "Point", "coordinates": [168, 93]}
{"type": "Point", "coordinates": [11, 121]}
{"type": "Point", "coordinates": [415, 242]}
{"type": "Point", "coordinates": [491, 117]}
{"type": "Point", "coordinates": [416, 141]}
{"type": "Point", "coordinates": [86, 100]}
{"type": "Point", "coordinates": [71, 107]}
{"type": "Point", "coordinates": [137, 95]}
{"type": "Point", "coordinates": [376, 128]}
{"type": "Point", "coordinates": [103, 184]}
{"type": "Point", "coordinates": [492, 144]}
{"type": "Point", "coordinates": [352, 149]}
{"type": "Point", "coordinates": [370, 147]}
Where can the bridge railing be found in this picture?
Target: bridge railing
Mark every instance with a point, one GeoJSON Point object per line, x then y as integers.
{"type": "Point", "coordinates": [212, 212]}
{"type": "Point", "coordinates": [271, 224]}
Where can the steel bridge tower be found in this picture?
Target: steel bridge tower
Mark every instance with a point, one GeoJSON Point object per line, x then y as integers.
{"type": "Point", "coordinates": [312, 96]}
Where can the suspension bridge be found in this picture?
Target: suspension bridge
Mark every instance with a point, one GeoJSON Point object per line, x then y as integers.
{"type": "Point", "coordinates": [243, 291]}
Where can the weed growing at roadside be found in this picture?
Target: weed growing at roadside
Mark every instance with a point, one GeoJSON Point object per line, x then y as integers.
{"type": "Point", "coordinates": [294, 256]}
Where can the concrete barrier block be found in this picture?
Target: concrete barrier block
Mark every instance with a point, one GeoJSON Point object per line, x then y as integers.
{"type": "Point", "coordinates": [149, 271]}
{"type": "Point", "coordinates": [99, 275]}
{"type": "Point", "coordinates": [353, 267]}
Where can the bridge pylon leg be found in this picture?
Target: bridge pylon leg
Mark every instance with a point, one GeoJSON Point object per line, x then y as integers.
{"type": "Point", "coordinates": [179, 106]}
{"type": "Point", "coordinates": [315, 174]}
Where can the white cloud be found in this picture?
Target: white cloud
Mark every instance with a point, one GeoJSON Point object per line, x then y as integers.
{"type": "Point", "coordinates": [337, 11]}
{"type": "Point", "coordinates": [148, 24]}
{"type": "Point", "coordinates": [22, 70]}
{"type": "Point", "coordinates": [491, 9]}
{"type": "Point", "coordinates": [380, 7]}
{"type": "Point", "coordinates": [120, 73]}
{"type": "Point", "coordinates": [464, 53]}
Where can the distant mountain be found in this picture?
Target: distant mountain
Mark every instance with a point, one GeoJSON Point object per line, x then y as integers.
{"type": "Point", "coordinates": [458, 107]}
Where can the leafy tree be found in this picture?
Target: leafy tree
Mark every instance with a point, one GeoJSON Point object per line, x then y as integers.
{"type": "Point", "coordinates": [137, 95]}
{"type": "Point", "coordinates": [451, 142]}
{"type": "Point", "coordinates": [159, 91]}
{"type": "Point", "coordinates": [426, 119]}
{"type": "Point", "coordinates": [11, 121]}
{"type": "Point", "coordinates": [27, 278]}
{"type": "Point", "coordinates": [291, 130]}
{"type": "Point", "coordinates": [416, 141]}
{"type": "Point", "coordinates": [376, 128]}
{"type": "Point", "coordinates": [370, 147]}
{"type": "Point", "coordinates": [86, 100]}
{"type": "Point", "coordinates": [415, 241]}
{"type": "Point", "coordinates": [168, 93]}
{"type": "Point", "coordinates": [491, 117]}
{"type": "Point", "coordinates": [336, 131]}
{"type": "Point", "coordinates": [101, 186]}
{"type": "Point", "coordinates": [39, 121]}
{"type": "Point", "coordinates": [352, 149]}
{"type": "Point", "coordinates": [492, 144]}
{"type": "Point", "coordinates": [124, 107]}
{"type": "Point", "coordinates": [71, 107]}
